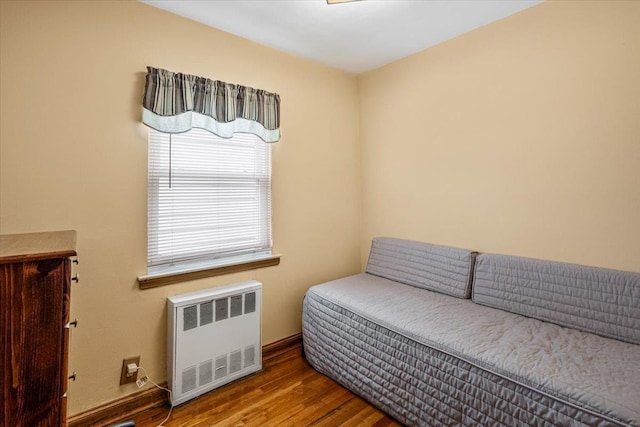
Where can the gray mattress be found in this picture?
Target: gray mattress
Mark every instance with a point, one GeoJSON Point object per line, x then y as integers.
{"type": "Point", "coordinates": [429, 359]}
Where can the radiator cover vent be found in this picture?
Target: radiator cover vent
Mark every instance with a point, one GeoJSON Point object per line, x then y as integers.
{"type": "Point", "coordinates": [213, 337]}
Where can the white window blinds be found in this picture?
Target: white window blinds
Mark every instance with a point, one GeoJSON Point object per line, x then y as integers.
{"type": "Point", "coordinates": [209, 197]}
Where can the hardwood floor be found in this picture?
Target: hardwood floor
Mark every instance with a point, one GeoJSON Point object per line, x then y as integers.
{"type": "Point", "coordinates": [288, 392]}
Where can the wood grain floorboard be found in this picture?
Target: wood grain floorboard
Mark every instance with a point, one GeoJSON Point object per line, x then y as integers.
{"type": "Point", "coordinates": [287, 392]}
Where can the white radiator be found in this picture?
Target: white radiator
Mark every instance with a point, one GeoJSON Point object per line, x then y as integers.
{"type": "Point", "coordinates": [213, 338]}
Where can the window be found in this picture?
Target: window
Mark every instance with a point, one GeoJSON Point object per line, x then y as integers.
{"type": "Point", "coordinates": [209, 200]}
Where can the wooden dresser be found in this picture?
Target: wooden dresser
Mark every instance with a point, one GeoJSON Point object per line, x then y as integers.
{"type": "Point", "coordinates": [35, 285]}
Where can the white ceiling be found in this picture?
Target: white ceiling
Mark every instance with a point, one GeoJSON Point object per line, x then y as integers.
{"type": "Point", "coordinates": [354, 37]}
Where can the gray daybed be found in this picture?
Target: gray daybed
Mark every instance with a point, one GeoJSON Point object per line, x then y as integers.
{"type": "Point", "coordinates": [436, 336]}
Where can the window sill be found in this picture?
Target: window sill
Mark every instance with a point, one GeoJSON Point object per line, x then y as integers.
{"type": "Point", "coordinates": [155, 280]}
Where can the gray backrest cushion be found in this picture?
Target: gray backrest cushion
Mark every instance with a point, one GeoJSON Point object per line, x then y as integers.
{"type": "Point", "coordinates": [433, 267]}
{"type": "Point", "coordinates": [598, 300]}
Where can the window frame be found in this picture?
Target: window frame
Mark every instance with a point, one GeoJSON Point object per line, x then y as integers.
{"type": "Point", "coordinates": [224, 263]}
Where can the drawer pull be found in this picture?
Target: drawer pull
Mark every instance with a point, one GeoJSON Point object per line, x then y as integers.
{"type": "Point", "coordinates": [72, 377]}
{"type": "Point", "coordinates": [70, 324]}
{"type": "Point", "coordinates": [76, 278]}
{"type": "Point", "coordinates": [76, 260]}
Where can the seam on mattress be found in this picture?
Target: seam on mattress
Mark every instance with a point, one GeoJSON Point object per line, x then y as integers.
{"type": "Point", "coordinates": [480, 365]}
{"type": "Point", "coordinates": [483, 372]}
{"type": "Point", "coordinates": [471, 273]}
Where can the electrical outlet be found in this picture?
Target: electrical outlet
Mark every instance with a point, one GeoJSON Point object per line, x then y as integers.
{"type": "Point", "coordinates": [124, 379]}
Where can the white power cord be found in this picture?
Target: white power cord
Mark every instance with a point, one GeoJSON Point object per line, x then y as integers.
{"type": "Point", "coordinates": [140, 368]}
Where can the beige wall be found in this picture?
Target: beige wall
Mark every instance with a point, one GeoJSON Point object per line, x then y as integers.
{"type": "Point", "coordinates": [74, 156]}
{"type": "Point", "coordinates": [522, 137]}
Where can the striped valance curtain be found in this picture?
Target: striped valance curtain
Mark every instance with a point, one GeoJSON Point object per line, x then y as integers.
{"type": "Point", "coordinates": [176, 103]}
